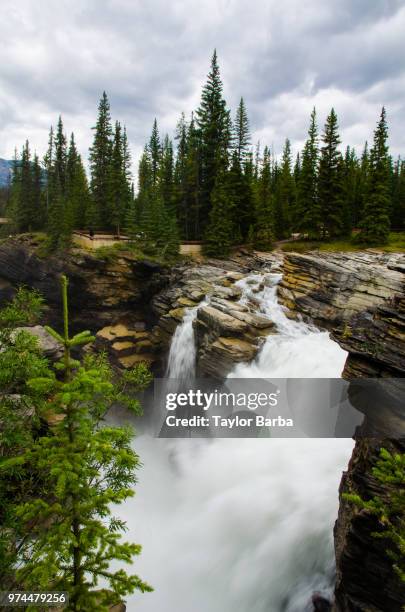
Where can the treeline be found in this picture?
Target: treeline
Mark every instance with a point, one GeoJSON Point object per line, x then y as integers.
{"type": "Point", "coordinates": [211, 184]}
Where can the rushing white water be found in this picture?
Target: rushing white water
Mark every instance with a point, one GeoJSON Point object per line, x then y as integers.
{"type": "Point", "coordinates": [243, 524]}
{"type": "Point", "coordinates": [182, 354]}
{"type": "Point", "coordinates": [297, 350]}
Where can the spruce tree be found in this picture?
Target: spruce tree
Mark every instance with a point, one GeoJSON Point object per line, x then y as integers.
{"type": "Point", "coordinates": [85, 468]}
{"type": "Point", "coordinates": [145, 183]}
{"type": "Point", "coordinates": [285, 196]}
{"type": "Point", "coordinates": [100, 165]}
{"type": "Point", "coordinates": [329, 188]}
{"type": "Point", "coordinates": [398, 200]}
{"type": "Point", "coordinates": [166, 176]}
{"type": "Point", "coordinates": [58, 227]}
{"type": "Point", "coordinates": [241, 131]}
{"type": "Point", "coordinates": [155, 152]}
{"type": "Point", "coordinates": [213, 122]}
{"type": "Point", "coordinates": [180, 198]}
{"type": "Point", "coordinates": [26, 213]}
{"type": "Point", "coordinates": [60, 161]}
{"type": "Point", "coordinates": [120, 189]}
{"type": "Point", "coordinates": [77, 189]}
{"type": "Point", "coordinates": [375, 223]}
{"type": "Point", "coordinates": [308, 208]}
{"type": "Point", "coordinates": [263, 230]}
{"type": "Point", "coordinates": [219, 234]}
{"type": "Point", "coordinates": [37, 195]}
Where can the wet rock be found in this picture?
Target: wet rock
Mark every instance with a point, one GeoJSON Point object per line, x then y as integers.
{"type": "Point", "coordinates": [360, 298]}
{"type": "Point", "coordinates": [220, 357]}
{"type": "Point", "coordinates": [221, 323]}
{"type": "Point", "coordinates": [47, 343]}
{"type": "Point", "coordinates": [365, 579]}
{"type": "Point", "coordinates": [320, 603]}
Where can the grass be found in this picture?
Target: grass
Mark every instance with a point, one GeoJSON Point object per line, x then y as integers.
{"type": "Point", "coordinates": [396, 244]}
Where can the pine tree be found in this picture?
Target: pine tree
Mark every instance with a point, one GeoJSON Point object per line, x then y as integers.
{"type": "Point", "coordinates": [77, 189]}
{"type": "Point", "coordinates": [100, 164]}
{"type": "Point", "coordinates": [329, 194]}
{"type": "Point", "coordinates": [60, 161]}
{"type": "Point", "coordinates": [27, 216]}
{"type": "Point", "coordinates": [264, 226]}
{"type": "Point", "coordinates": [241, 131]}
{"type": "Point", "coordinates": [180, 198]}
{"type": "Point", "coordinates": [86, 468]}
{"type": "Point", "coordinates": [213, 122]}
{"type": "Point", "coordinates": [362, 184]}
{"type": "Point", "coordinates": [120, 189]}
{"type": "Point", "coordinates": [285, 197]}
{"type": "Point", "coordinates": [237, 193]}
{"type": "Point", "coordinates": [37, 199]}
{"type": "Point", "coordinates": [58, 229]}
{"type": "Point", "coordinates": [308, 208]}
{"type": "Point", "coordinates": [155, 152]}
{"type": "Point", "coordinates": [375, 223]}
{"type": "Point", "coordinates": [166, 177]}
{"type": "Point", "coordinates": [144, 183]}
{"type": "Point", "coordinates": [219, 234]}
{"type": "Point", "coordinates": [398, 200]}
{"type": "Point", "coordinates": [48, 163]}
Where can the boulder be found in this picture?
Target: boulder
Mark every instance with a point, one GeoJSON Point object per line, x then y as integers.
{"type": "Point", "coordinates": [221, 323]}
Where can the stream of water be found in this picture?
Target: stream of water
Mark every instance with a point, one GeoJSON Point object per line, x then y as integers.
{"type": "Point", "coordinates": [240, 524]}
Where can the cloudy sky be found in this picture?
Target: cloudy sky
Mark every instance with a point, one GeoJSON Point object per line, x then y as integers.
{"type": "Point", "coordinates": [152, 57]}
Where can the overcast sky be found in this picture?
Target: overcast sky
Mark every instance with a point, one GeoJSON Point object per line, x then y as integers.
{"type": "Point", "coordinates": [152, 57]}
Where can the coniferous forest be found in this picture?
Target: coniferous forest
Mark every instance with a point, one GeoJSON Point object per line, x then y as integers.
{"type": "Point", "coordinates": [211, 183]}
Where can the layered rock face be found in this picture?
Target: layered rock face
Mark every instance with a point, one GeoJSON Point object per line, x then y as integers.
{"type": "Point", "coordinates": [227, 332]}
{"type": "Point", "coordinates": [360, 298]}
{"type": "Point", "coordinates": [104, 293]}
{"type": "Point", "coordinates": [133, 307]}
{"type": "Point", "coordinates": [365, 580]}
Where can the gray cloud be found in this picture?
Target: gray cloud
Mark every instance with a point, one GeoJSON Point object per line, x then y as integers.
{"type": "Point", "coordinates": [152, 59]}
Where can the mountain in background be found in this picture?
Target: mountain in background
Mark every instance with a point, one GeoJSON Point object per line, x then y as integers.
{"type": "Point", "coordinates": [5, 170]}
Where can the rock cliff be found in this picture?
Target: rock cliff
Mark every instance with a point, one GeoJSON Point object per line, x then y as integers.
{"type": "Point", "coordinates": [360, 298]}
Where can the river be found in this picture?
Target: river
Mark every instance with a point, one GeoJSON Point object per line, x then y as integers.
{"type": "Point", "coordinates": [240, 524]}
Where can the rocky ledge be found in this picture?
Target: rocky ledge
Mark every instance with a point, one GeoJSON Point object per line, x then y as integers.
{"type": "Point", "coordinates": [365, 580]}
{"type": "Point", "coordinates": [227, 332]}
{"type": "Point", "coordinates": [360, 298]}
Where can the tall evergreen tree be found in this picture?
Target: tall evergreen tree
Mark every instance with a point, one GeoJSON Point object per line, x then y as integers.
{"type": "Point", "coordinates": [308, 208]}
{"type": "Point", "coordinates": [60, 161]}
{"type": "Point", "coordinates": [241, 131]}
{"type": "Point", "coordinates": [77, 189]}
{"type": "Point", "coordinates": [155, 152]}
{"type": "Point", "coordinates": [398, 200]}
{"type": "Point", "coordinates": [219, 234]}
{"type": "Point", "coordinates": [375, 223]}
{"type": "Point", "coordinates": [213, 122]}
{"type": "Point", "coordinates": [120, 188]}
{"type": "Point", "coordinates": [166, 175]}
{"type": "Point", "coordinates": [100, 165]}
{"type": "Point", "coordinates": [285, 197]}
{"type": "Point", "coordinates": [329, 187]}
{"type": "Point", "coordinates": [85, 469]}
{"type": "Point", "coordinates": [264, 225]}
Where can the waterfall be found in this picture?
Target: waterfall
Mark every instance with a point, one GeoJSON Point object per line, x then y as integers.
{"type": "Point", "coordinates": [182, 354]}
{"type": "Point", "coordinates": [240, 524]}
{"type": "Point", "coordinates": [297, 350]}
